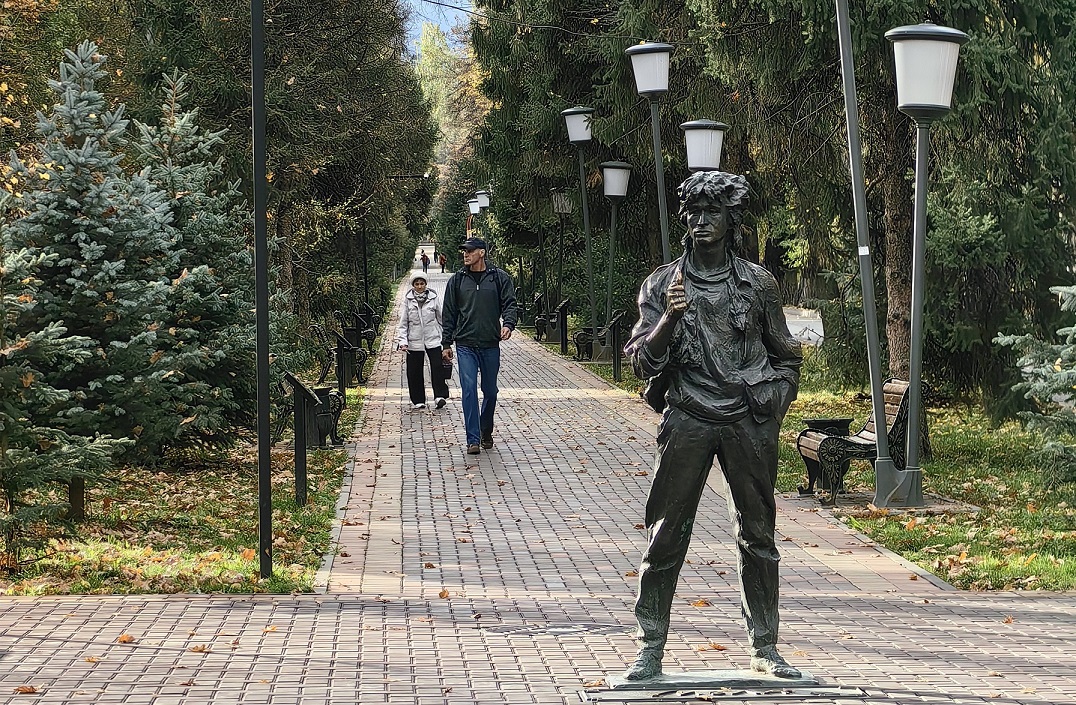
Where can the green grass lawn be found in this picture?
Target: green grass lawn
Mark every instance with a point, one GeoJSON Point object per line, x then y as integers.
{"type": "Point", "coordinates": [194, 528]}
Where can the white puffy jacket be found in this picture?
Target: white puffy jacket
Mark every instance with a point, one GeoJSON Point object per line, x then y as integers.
{"type": "Point", "coordinates": [420, 325]}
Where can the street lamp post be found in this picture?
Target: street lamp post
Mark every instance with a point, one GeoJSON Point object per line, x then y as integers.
{"type": "Point", "coordinates": [365, 266]}
{"type": "Point", "coordinates": [615, 176]}
{"type": "Point", "coordinates": [886, 476]}
{"type": "Point", "coordinates": [926, 58]}
{"type": "Point", "coordinates": [650, 63]}
{"type": "Point", "coordinates": [474, 209]}
{"type": "Point", "coordinates": [261, 285]}
{"type": "Point", "coordinates": [703, 140]}
{"type": "Point", "coordinates": [562, 206]}
{"type": "Point", "coordinates": [577, 121]}
{"type": "Point", "coordinates": [483, 212]}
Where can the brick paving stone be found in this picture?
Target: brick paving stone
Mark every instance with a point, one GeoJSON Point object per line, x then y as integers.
{"type": "Point", "coordinates": [538, 532]}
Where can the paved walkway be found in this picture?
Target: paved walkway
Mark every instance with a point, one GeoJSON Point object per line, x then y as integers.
{"type": "Point", "coordinates": [508, 578]}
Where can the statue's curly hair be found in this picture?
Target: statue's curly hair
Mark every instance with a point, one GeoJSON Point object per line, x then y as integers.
{"type": "Point", "coordinates": [730, 190]}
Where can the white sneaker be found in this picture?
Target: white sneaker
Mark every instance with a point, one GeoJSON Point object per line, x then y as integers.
{"type": "Point", "coordinates": [416, 407]}
{"type": "Point", "coordinates": [439, 402]}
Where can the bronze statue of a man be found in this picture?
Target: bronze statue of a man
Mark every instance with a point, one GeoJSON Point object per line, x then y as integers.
{"type": "Point", "coordinates": [714, 347]}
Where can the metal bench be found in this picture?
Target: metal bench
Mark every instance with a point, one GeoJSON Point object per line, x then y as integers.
{"type": "Point", "coordinates": [326, 349]}
{"type": "Point", "coordinates": [316, 414]}
{"type": "Point", "coordinates": [541, 321]}
{"type": "Point", "coordinates": [826, 454]}
{"type": "Point", "coordinates": [349, 363]}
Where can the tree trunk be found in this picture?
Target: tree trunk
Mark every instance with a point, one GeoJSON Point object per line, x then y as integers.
{"type": "Point", "coordinates": [76, 497]}
{"type": "Point", "coordinates": [897, 196]}
{"type": "Point", "coordinates": [283, 256]}
{"type": "Point", "coordinates": [301, 297]}
{"type": "Point", "coordinates": [653, 220]}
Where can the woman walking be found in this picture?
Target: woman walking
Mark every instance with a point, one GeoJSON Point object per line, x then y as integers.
{"type": "Point", "coordinates": [419, 336]}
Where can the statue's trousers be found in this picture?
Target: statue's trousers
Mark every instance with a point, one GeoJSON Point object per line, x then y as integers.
{"type": "Point", "coordinates": [747, 452]}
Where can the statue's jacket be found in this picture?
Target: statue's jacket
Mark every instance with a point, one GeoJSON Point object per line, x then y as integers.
{"type": "Point", "coordinates": [731, 353]}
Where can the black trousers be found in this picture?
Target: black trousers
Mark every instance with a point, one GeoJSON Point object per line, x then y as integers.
{"type": "Point", "coordinates": [747, 452]}
{"type": "Point", "coordinates": [416, 383]}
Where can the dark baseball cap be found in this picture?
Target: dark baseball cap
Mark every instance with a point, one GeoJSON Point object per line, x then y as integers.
{"type": "Point", "coordinates": [474, 243]}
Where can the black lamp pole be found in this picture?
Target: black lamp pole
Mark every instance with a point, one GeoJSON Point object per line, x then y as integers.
{"type": "Point", "coordinates": [261, 285]}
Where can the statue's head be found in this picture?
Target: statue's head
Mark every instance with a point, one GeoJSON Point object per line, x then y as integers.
{"type": "Point", "coordinates": [714, 187]}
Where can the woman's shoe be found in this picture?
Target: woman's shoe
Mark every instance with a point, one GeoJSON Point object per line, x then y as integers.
{"type": "Point", "coordinates": [416, 407]}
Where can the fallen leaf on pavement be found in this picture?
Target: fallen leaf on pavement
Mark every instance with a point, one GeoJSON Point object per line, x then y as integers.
{"type": "Point", "coordinates": [711, 646]}
{"type": "Point", "coordinates": [1008, 620]}
{"type": "Point", "coordinates": [702, 603]}
{"type": "Point", "coordinates": [200, 649]}
{"type": "Point", "coordinates": [631, 573]}
{"type": "Point", "coordinates": [125, 639]}
{"type": "Point", "coordinates": [594, 684]}
{"type": "Point", "coordinates": [443, 594]}
{"type": "Point", "coordinates": [25, 689]}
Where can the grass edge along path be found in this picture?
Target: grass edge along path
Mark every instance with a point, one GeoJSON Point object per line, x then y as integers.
{"type": "Point", "coordinates": [194, 527]}
{"type": "Point", "coordinates": [1023, 537]}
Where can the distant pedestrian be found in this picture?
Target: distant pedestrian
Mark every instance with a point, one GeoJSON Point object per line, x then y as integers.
{"type": "Point", "coordinates": [479, 312]}
{"type": "Point", "coordinates": [425, 262]}
{"type": "Point", "coordinates": [419, 336]}
{"type": "Point", "coordinates": [443, 261]}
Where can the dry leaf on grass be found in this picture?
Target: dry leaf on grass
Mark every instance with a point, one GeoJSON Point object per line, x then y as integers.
{"type": "Point", "coordinates": [248, 554]}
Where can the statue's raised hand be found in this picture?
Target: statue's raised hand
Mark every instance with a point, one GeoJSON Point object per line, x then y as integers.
{"type": "Point", "coordinates": [675, 296]}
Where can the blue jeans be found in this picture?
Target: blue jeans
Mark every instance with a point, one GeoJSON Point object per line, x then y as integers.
{"type": "Point", "coordinates": [471, 362]}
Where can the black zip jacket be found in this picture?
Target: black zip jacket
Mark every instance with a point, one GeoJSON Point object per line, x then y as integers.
{"type": "Point", "coordinates": [474, 311]}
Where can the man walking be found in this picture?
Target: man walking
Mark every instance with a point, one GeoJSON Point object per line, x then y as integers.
{"type": "Point", "coordinates": [719, 361]}
{"type": "Point", "coordinates": [479, 312]}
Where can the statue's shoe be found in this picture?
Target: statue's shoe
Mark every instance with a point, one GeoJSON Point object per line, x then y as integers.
{"type": "Point", "coordinates": [646, 665]}
{"type": "Point", "coordinates": [767, 660]}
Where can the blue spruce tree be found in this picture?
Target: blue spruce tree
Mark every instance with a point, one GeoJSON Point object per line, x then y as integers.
{"type": "Point", "coordinates": [36, 453]}
{"type": "Point", "coordinates": [206, 340]}
{"type": "Point", "coordinates": [1048, 369]}
{"type": "Point", "coordinates": [111, 251]}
